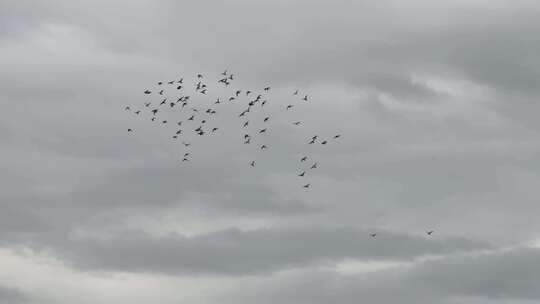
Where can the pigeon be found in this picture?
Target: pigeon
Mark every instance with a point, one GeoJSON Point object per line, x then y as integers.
{"type": "Point", "coordinates": [154, 111]}
{"type": "Point", "coordinates": [214, 129]}
{"type": "Point", "coordinates": [192, 117]}
{"type": "Point", "coordinates": [248, 92]}
{"type": "Point", "coordinates": [160, 83]}
{"type": "Point", "coordinates": [238, 93]}
{"type": "Point", "coordinates": [164, 121]}
{"type": "Point", "coordinates": [324, 142]}
{"type": "Point", "coordinates": [160, 92]}
{"type": "Point", "coordinates": [179, 87]}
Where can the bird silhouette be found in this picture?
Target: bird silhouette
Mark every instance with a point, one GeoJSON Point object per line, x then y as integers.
{"type": "Point", "coordinates": [324, 142]}
{"type": "Point", "coordinates": [147, 104]}
{"type": "Point", "coordinates": [266, 119]}
{"type": "Point", "coordinates": [262, 131]}
{"type": "Point", "coordinates": [373, 235]}
{"type": "Point", "coordinates": [253, 163]}
{"type": "Point", "coordinates": [305, 98]}
{"type": "Point", "coordinates": [295, 92]}
{"type": "Point", "coordinates": [246, 123]}
{"type": "Point", "coordinates": [214, 129]}
{"type": "Point", "coordinates": [267, 88]}
{"type": "Point", "coordinates": [337, 136]}
{"type": "Point", "coordinates": [186, 144]}
{"type": "Point", "coordinates": [302, 174]}
{"type": "Point", "coordinates": [147, 92]}
{"type": "Point", "coordinates": [130, 130]}
{"type": "Point", "coordinates": [430, 232]}
{"type": "Point", "coordinates": [303, 159]}
{"type": "Point", "coordinates": [296, 123]}
{"type": "Point", "coordinates": [263, 147]}
{"type": "Point", "coordinates": [314, 166]}
{"type": "Point", "coordinates": [289, 107]}
{"type": "Point", "coordinates": [160, 92]}
{"type": "Point", "coordinates": [307, 185]}
{"type": "Point", "coordinates": [138, 112]}
{"type": "Point", "coordinates": [127, 108]}
{"type": "Point", "coordinates": [179, 87]}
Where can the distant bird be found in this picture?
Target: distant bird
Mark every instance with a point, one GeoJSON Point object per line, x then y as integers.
{"type": "Point", "coordinates": [305, 98]}
{"type": "Point", "coordinates": [231, 98]}
{"type": "Point", "coordinates": [248, 92]}
{"type": "Point", "coordinates": [186, 154]}
{"type": "Point", "coordinates": [231, 77]}
{"type": "Point", "coordinates": [253, 163]}
{"type": "Point", "coordinates": [199, 76]}
{"type": "Point", "coordinates": [296, 123]}
{"type": "Point", "coordinates": [214, 129]}
{"type": "Point", "coordinates": [178, 132]}
{"type": "Point", "coordinates": [203, 91]}
{"type": "Point", "coordinates": [247, 141]}
{"type": "Point", "coordinates": [186, 144]}
{"type": "Point", "coordinates": [163, 102]}
{"type": "Point", "coordinates": [289, 107]}
{"type": "Point", "coordinates": [164, 121]}
{"type": "Point", "coordinates": [172, 104]}
{"type": "Point", "coordinates": [181, 80]}
{"type": "Point", "coordinates": [246, 136]}
{"type": "Point", "coordinates": [307, 185]}
{"type": "Point", "coordinates": [302, 174]}
{"type": "Point", "coordinates": [337, 136]}
{"type": "Point", "coordinates": [160, 83]}
{"type": "Point", "coordinates": [295, 92]}
{"type": "Point", "coordinates": [175, 136]}
{"type": "Point", "coordinates": [263, 103]}
{"type": "Point", "coordinates": [373, 235]}
{"type": "Point", "coordinates": [185, 159]}
{"type": "Point", "coordinates": [314, 166]}
{"type": "Point", "coordinates": [130, 130]}
{"type": "Point", "coordinates": [179, 87]}
{"type": "Point", "coordinates": [324, 142]}
{"type": "Point", "coordinates": [147, 92]}
{"type": "Point", "coordinates": [430, 232]}
{"type": "Point", "coordinates": [217, 101]}
{"type": "Point", "coordinates": [303, 159]}
{"type": "Point", "coordinates": [154, 111]}
{"type": "Point", "coordinates": [262, 131]}
{"type": "Point", "coordinates": [160, 92]}
{"type": "Point", "coordinates": [263, 147]}
{"type": "Point", "coordinates": [147, 104]}
{"type": "Point", "coordinates": [246, 123]}
{"type": "Point", "coordinates": [138, 112]}
{"type": "Point", "coordinates": [267, 88]}
{"type": "Point", "coordinates": [203, 121]}
{"type": "Point", "coordinates": [238, 93]}
{"type": "Point", "coordinates": [171, 82]}
{"type": "Point", "coordinates": [179, 123]}
{"type": "Point", "coordinates": [266, 119]}
{"type": "Point", "coordinates": [127, 108]}
{"type": "Point", "coordinates": [192, 117]}
{"type": "Point", "coordinates": [153, 118]}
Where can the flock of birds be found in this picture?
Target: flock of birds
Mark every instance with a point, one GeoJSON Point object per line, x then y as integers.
{"type": "Point", "coordinates": [198, 119]}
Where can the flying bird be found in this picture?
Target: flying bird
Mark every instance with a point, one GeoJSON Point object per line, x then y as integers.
{"type": "Point", "coordinates": [303, 159]}
{"type": "Point", "coordinates": [266, 119]}
{"type": "Point", "coordinates": [263, 147]}
{"type": "Point", "coordinates": [314, 166]}
{"type": "Point", "coordinates": [430, 232]}
{"type": "Point", "coordinates": [302, 174]}
{"type": "Point", "coordinates": [253, 163]}
{"type": "Point", "coordinates": [147, 92]}
{"type": "Point", "coordinates": [337, 136]}
{"type": "Point", "coordinates": [262, 131]}
{"type": "Point", "coordinates": [307, 185]}
{"type": "Point", "coordinates": [289, 107]}
{"type": "Point", "coordinates": [296, 123]}
{"type": "Point", "coordinates": [130, 130]}
{"type": "Point", "coordinates": [127, 108]}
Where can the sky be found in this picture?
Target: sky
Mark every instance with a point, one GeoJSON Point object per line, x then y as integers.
{"type": "Point", "coordinates": [436, 101]}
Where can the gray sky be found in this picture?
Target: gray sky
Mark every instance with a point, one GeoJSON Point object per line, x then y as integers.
{"type": "Point", "coordinates": [437, 102]}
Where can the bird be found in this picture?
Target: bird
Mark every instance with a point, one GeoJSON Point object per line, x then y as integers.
{"type": "Point", "coordinates": [130, 130]}
{"type": "Point", "coordinates": [253, 163]}
{"type": "Point", "coordinates": [337, 136]}
{"type": "Point", "coordinates": [302, 174]}
{"type": "Point", "coordinates": [263, 103]}
{"type": "Point", "coordinates": [179, 123]}
{"type": "Point", "coordinates": [154, 111]}
{"type": "Point", "coordinates": [172, 104]}
{"type": "Point", "coordinates": [263, 147]}
{"type": "Point", "coordinates": [160, 92]}
{"type": "Point", "coordinates": [147, 104]}
{"type": "Point", "coordinates": [267, 88]}
{"type": "Point", "coordinates": [231, 77]}
{"type": "Point", "coordinates": [147, 92]}
{"type": "Point", "coordinates": [127, 108]}
{"type": "Point", "coordinates": [163, 102]}
{"type": "Point", "coordinates": [324, 142]}
{"type": "Point", "coordinates": [199, 76]}
{"type": "Point", "coordinates": [186, 154]}
{"type": "Point", "coordinates": [160, 83]}
{"type": "Point", "coordinates": [289, 107]}
{"type": "Point", "coordinates": [246, 123]}
{"type": "Point", "coordinates": [373, 235]}
{"type": "Point", "coordinates": [430, 232]}
{"type": "Point", "coordinates": [217, 101]}
{"type": "Point", "coordinates": [181, 80]}
{"type": "Point", "coordinates": [238, 93]}
{"type": "Point", "coordinates": [248, 92]}
{"type": "Point", "coordinates": [262, 131]}
{"type": "Point", "coordinates": [314, 166]}
{"type": "Point", "coordinates": [138, 112]}
{"type": "Point", "coordinates": [192, 117]}
{"type": "Point", "coordinates": [203, 91]}
{"type": "Point", "coordinates": [185, 159]}
{"type": "Point", "coordinates": [247, 141]}
{"type": "Point", "coordinates": [305, 98]}
{"type": "Point", "coordinates": [164, 121]}
{"type": "Point", "coordinates": [303, 159]}
{"type": "Point", "coordinates": [214, 129]}
{"type": "Point", "coordinates": [186, 144]}
{"type": "Point", "coordinates": [266, 119]}
{"type": "Point", "coordinates": [296, 123]}
{"type": "Point", "coordinates": [307, 185]}
{"type": "Point", "coordinates": [224, 73]}
{"type": "Point", "coordinates": [295, 92]}
{"type": "Point", "coordinates": [153, 118]}
{"type": "Point", "coordinates": [231, 98]}
{"type": "Point", "coordinates": [175, 136]}
{"type": "Point", "coordinates": [170, 82]}
{"type": "Point", "coordinates": [179, 87]}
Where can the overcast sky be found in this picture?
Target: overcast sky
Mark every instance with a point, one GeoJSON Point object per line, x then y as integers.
{"type": "Point", "coordinates": [437, 102]}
